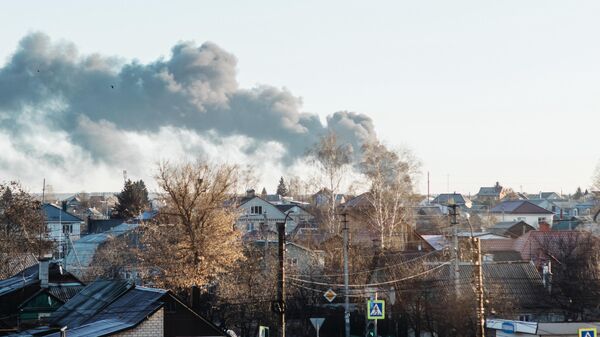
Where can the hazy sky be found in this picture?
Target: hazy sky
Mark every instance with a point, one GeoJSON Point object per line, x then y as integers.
{"type": "Point", "coordinates": [482, 91]}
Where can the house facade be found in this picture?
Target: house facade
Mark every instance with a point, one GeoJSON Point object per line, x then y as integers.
{"type": "Point", "coordinates": [522, 210]}
{"type": "Point", "coordinates": [257, 214]}
{"type": "Point", "coordinates": [63, 227]}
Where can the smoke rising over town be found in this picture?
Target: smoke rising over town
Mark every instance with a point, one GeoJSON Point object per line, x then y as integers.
{"type": "Point", "coordinates": [66, 116]}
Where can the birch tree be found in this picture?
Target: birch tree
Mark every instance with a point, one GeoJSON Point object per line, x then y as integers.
{"type": "Point", "coordinates": [391, 176]}
{"type": "Point", "coordinates": [333, 159]}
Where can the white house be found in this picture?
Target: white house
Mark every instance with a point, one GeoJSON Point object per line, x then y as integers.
{"type": "Point", "coordinates": [522, 210]}
{"type": "Point", "coordinates": [62, 226]}
{"type": "Point", "coordinates": [255, 212]}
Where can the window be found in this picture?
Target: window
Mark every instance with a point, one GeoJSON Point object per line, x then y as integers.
{"type": "Point", "coordinates": [292, 261]}
{"type": "Point", "coordinates": [541, 219]}
{"type": "Point", "coordinates": [525, 318]}
{"type": "Point", "coordinates": [256, 210]}
{"type": "Point", "coordinates": [249, 227]}
{"type": "Point", "coordinates": [67, 229]}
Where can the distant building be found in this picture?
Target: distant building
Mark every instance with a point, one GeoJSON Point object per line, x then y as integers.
{"type": "Point", "coordinates": [458, 199]}
{"type": "Point", "coordinates": [63, 227]}
{"type": "Point", "coordinates": [511, 229]}
{"type": "Point", "coordinates": [257, 214]}
{"type": "Point", "coordinates": [491, 195]}
{"type": "Point", "coordinates": [522, 210]}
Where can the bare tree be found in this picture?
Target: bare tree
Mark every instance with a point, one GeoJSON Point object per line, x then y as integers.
{"type": "Point", "coordinates": [575, 264]}
{"type": "Point", "coordinates": [391, 176]}
{"type": "Point", "coordinates": [22, 228]}
{"type": "Point", "coordinates": [193, 238]}
{"type": "Point", "coordinates": [333, 159]}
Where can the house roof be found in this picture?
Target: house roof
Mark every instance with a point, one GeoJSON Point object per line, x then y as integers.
{"type": "Point", "coordinates": [444, 198]}
{"type": "Point", "coordinates": [519, 207]}
{"type": "Point", "coordinates": [506, 255]}
{"type": "Point", "coordinates": [89, 302]}
{"type": "Point", "coordinates": [30, 276]}
{"type": "Point", "coordinates": [15, 263]}
{"type": "Point", "coordinates": [98, 310]}
{"type": "Point", "coordinates": [511, 228]}
{"type": "Point", "coordinates": [361, 200]}
{"type": "Point", "coordinates": [489, 191]}
{"type": "Point", "coordinates": [84, 249]}
{"type": "Point", "coordinates": [54, 213]}
{"type": "Point", "coordinates": [517, 282]}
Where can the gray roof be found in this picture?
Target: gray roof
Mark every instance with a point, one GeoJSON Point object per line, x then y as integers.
{"type": "Point", "coordinates": [488, 191]}
{"type": "Point", "coordinates": [517, 282]}
{"type": "Point", "coordinates": [505, 224]}
{"type": "Point", "coordinates": [54, 213]}
{"type": "Point", "coordinates": [107, 307]}
{"type": "Point", "coordinates": [444, 198]}
{"type": "Point", "coordinates": [28, 277]}
{"type": "Point", "coordinates": [88, 302]}
{"type": "Point", "coordinates": [519, 207]}
{"type": "Point", "coordinates": [84, 249]}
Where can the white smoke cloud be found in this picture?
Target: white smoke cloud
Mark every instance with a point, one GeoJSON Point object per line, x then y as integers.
{"type": "Point", "coordinates": [79, 120]}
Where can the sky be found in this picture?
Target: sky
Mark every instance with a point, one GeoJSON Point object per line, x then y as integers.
{"type": "Point", "coordinates": [481, 91]}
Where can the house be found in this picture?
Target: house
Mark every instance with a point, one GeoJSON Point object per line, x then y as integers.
{"type": "Point", "coordinates": [299, 259]}
{"type": "Point", "coordinates": [80, 256]}
{"type": "Point", "coordinates": [522, 210]}
{"type": "Point", "coordinates": [446, 199]}
{"type": "Point", "coordinates": [119, 308]}
{"type": "Point", "coordinates": [516, 282]}
{"type": "Point", "coordinates": [29, 297]}
{"type": "Point", "coordinates": [545, 196]}
{"type": "Point", "coordinates": [512, 229]}
{"type": "Point", "coordinates": [63, 227]}
{"type": "Point", "coordinates": [491, 195]}
{"type": "Point", "coordinates": [537, 246]}
{"type": "Point", "coordinates": [256, 212]}
{"type": "Point", "coordinates": [431, 219]}
{"type": "Point", "coordinates": [323, 198]}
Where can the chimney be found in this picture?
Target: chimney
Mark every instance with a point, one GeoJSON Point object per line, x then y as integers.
{"type": "Point", "coordinates": [250, 193]}
{"type": "Point", "coordinates": [43, 272]}
{"type": "Point", "coordinates": [544, 226]}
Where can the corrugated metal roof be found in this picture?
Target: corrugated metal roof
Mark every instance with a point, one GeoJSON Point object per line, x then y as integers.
{"type": "Point", "coordinates": [65, 293]}
{"type": "Point", "coordinates": [514, 282]}
{"type": "Point", "coordinates": [88, 302]}
{"type": "Point", "coordinates": [18, 282]}
{"type": "Point", "coordinates": [84, 249]}
{"type": "Point", "coordinates": [54, 214]}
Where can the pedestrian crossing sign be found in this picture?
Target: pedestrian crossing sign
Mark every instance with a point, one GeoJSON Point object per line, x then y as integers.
{"type": "Point", "coordinates": [376, 310]}
{"type": "Point", "coordinates": [588, 332]}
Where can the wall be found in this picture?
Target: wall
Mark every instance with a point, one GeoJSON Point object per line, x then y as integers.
{"type": "Point", "coordinates": [274, 215]}
{"type": "Point", "coordinates": [151, 327]}
{"type": "Point", "coordinates": [530, 219]}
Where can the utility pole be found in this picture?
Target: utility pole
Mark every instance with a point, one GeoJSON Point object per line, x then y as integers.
{"type": "Point", "coordinates": [478, 271]}
{"type": "Point", "coordinates": [280, 306]}
{"type": "Point", "coordinates": [346, 291]}
{"type": "Point", "coordinates": [452, 212]}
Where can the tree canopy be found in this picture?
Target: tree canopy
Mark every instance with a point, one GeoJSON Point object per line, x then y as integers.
{"type": "Point", "coordinates": [133, 199]}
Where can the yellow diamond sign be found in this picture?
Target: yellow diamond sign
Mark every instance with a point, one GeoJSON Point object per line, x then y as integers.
{"type": "Point", "coordinates": [330, 295]}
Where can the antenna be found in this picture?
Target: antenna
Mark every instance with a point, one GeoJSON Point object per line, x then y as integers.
{"type": "Point", "coordinates": [428, 187]}
{"type": "Point", "coordinates": [44, 191]}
